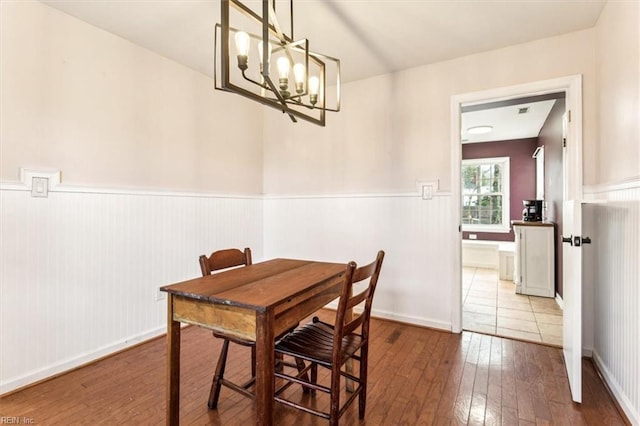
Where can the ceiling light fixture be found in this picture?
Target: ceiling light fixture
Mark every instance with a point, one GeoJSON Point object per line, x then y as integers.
{"type": "Point", "coordinates": [308, 83]}
{"type": "Point", "coordinates": [479, 130]}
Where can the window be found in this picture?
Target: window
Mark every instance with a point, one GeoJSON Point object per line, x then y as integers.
{"type": "Point", "coordinates": [485, 194]}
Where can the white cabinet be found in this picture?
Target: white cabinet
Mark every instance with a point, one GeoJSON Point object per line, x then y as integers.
{"type": "Point", "coordinates": [534, 273]}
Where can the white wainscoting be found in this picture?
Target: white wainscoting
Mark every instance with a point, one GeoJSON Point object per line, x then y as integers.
{"type": "Point", "coordinates": [80, 269]}
{"type": "Point", "coordinates": [418, 236]}
{"type": "Point", "coordinates": [616, 288]}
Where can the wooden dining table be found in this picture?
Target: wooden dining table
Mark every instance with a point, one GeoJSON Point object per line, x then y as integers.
{"type": "Point", "coordinates": [256, 302]}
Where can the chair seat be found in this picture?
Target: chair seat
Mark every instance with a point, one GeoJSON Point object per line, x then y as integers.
{"type": "Point", "coordinates": [244, 342]}
{"type": "Point", "coordinates": [314, 342]}
{"type": "Point", "coordinates": [234, 339]}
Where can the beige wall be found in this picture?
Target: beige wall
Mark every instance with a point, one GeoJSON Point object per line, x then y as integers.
{"type": "Point", "coordinates": [618, 74]}
{"type": "Point", "coordinates": [108, 113]}
{"type": "Point", "coordinates": [395, 129]}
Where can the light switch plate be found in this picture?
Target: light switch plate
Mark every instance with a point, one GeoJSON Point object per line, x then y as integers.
{"type": "Point", "coordinates": [39, 187]}
{"type": "Point", "coordinates": [427, 189]}
{"type": "Point", "coordinates": [427, 192]}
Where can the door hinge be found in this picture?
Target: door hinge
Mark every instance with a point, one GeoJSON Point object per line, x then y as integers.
{"type": "Point", "coordinates": [564, 142]}
{"type": "Point", "coordinates": [569, 116]}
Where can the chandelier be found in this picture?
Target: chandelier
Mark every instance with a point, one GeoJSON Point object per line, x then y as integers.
{"type": "Point", "coordinates": [252, 48]}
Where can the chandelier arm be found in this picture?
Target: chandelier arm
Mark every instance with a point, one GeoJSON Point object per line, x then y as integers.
{"type": "Point", "coordinates": [281, 99]}
{"type": "Point", "coordinates": [302, 104]}
{"type": "Point", "coordinates": [293, 100]}
{"type": "Point", "coordinates": [284, 40]}
{"type": "Point", "coordinates": [251, 14]}
{"type": "Point", "coordinates": [275, 91]}
{"type": "Point", "coordinates": [291, 15]}
{"type": "Point", "coordinates": [249, 79]}
{"type": "Point", "coordinates": [276, 25]}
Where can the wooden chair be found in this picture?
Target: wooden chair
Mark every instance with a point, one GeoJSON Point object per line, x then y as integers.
{"type": "Point", "coordinates": [331, 346]}
{"type": "Point", "coordinates": [224, 259]}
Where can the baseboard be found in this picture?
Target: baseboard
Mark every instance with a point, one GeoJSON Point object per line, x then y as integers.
{"type": "Point", "coordinates": [625, 406]}
{"type": "Point", "coordinates": [405, 319]}
{"type": "Point", "coordinates": [67, 365]}
{"type": "Point", "coordinates": [481, 265]}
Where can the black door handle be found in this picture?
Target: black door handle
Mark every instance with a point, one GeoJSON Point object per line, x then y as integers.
{"type": "Point", "coordinates": [576, 241]}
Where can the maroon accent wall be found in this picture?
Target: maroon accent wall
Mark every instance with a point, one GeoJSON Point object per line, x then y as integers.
{"type": "Point", "coordinates": [551, 137]}
{"type": "Point", "coordinates": [522, 175]}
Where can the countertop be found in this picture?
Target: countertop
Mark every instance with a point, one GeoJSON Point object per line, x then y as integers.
{"type": "Point", "coordinates": [525, 223]}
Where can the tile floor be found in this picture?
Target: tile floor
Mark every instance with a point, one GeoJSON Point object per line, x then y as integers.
{"type": "Point", "coordinates": [492, 306]}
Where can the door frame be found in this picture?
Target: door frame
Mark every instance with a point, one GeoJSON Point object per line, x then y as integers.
{"type": "Point", "coordinates": [572, 86]}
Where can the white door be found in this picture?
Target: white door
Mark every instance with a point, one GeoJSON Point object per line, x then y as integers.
{"type": "Point", "coordinates": [572, 294]}
{"type": "Point", "coordinates": [572, 257]}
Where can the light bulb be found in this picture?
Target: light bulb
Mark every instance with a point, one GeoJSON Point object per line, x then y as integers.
{"type": "Point", "coordinates": [283, 74]}
{"type": "Point", "coordinates": [314, 88]}
{"type": "Point", "coordinates": [298, 74]}
{"type": "Point", "coordinates": [314, 85]}
{"type": "Point", "coordinates": [242, 43]}
{"type": "Point", "coordinates": [242, 48]}
{"type": "Point", "coordinates": [261, 51]}
{"type": "Point", "coordinates": [283, 67]}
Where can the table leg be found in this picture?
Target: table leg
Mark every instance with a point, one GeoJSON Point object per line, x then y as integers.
{"type": "Point", "coordinates": [265, 380]}
{"type": "Point", "coordinates": [173, 366]}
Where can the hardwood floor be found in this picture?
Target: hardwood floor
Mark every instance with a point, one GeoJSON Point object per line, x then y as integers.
{"type": "Point", "coordinates": [417, 377]}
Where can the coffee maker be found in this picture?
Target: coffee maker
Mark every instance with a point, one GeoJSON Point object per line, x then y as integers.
{"type": "Point", "coordinates": [532, 210]}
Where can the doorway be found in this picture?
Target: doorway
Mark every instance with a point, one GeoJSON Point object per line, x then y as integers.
{"type": "Point", "coordinates": [500, 168]}
{"type": "Point", "coordinates": [571, 217]}
{"type": "Point", "coordinates": [572, 87]}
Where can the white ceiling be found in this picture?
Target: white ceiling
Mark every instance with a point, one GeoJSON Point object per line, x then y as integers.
{"type": "Point", "coordinates": [370, 37]}
{"type": "Point", "coordinates": [507, 122]}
